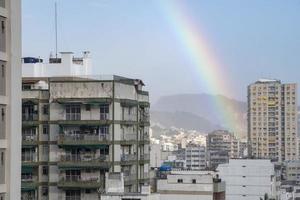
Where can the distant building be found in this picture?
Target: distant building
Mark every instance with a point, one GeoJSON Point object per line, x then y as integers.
{"type": "Point", "coordinates": [272, 120]}
{"type": "Point", "coordinates": [195, 156]}
{"type": "Point", "coordinates": [218, 144]}
{"type": "Point", "coordinates": [191, 185]}
{"type": "Point", "coordinates": [76, 129]}
{"type": "Point", "coordinates": [10, 99]}
{"type": "Point", "coordinates": [292, 171]}
{"type": "Point", "coordinates": [248, 179]}
{"type": "Point", "coordinates": [155, 155]}
{"type": "Point", "coordinates": [65, 65]}
{"type": "Point", "coordinates": [289, 192]}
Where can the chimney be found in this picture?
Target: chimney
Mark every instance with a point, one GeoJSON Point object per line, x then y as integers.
{"type": "Point", "coordinates": [67, 58]}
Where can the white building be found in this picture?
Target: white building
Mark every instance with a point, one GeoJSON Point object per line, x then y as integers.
{"type": "Point", "coordinates": [10, 99]}
{"type": "Point", "coordinates": [248, 179]}
{"type": "Point", "coordinates": [191, 185]}
{"type": "Point", "coordinates": [272, 120]}
{"type": "Point", "coordinates": [155, 155]}
{"type": "Point", "coordinates": [66, 65]}
{"type": "Point", "coordinates": [195, 156]}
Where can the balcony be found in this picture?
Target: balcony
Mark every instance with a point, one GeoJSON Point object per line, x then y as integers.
{"type": "Point", "coordinates": [83, 140]}
{"type": "Point", "coordinates": [29, 140]}
{"type": "Point", "coordinates": [80, 182]}
{"type": "Point", "coordinates": [129, 177]}
{"type": "Point", "coordinates": [128, 158]}
{"type": "Point", "coordinates": [129, 138]}
{"type": "Point", "coordinates": [29, 159]}
{"type": "Point", "coordinates": [145, 158]}
{"type": "Point", "coordinates": [144, 119]}
{"type": "Point", "coordinates": [84, 161]}
{"type": "Point", "coordinates": [29, 182]}
{"type": "Point", "coordinates": [145, 139]}
{"type": "Point", "coordinates": [29, 120]}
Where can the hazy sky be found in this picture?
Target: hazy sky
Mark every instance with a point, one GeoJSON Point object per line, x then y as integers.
{"type": "Point", "coordinates": [250, 39]}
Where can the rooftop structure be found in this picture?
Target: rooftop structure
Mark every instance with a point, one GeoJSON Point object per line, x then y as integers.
{"type": "Point", "coordinates": [65, 65]}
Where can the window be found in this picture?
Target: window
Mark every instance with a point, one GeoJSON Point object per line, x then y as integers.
{"type": "Point", "coordinates": [3, 114]}
{"type": "Point", "coordinates": [73, 195]}
{"type": "Point", "coordinates": [45, 191]}
{"type": "Point", "coordinates": [45, 129]}
{"type": "Point", "coordinates": [45, 150]}
{"type": "Point", "coordinates": [104, 111]}
{"type": "Point", "coordinates": [3, 27]}
{"type": "Point", "coordinates": [2, 71]}
{"type": "Point", "coordinates": [2, 158]}
{"type": "Point", "coordinates": [45, 170]}
{"type": "Point", "coordinates": [46, 109]}
{"type": "Point", "coordinates": [88, 107]}
{"type": "Point", "coordinates": [179, 181]}
{"type": "Point", "coordinates": [194, 181]}
{"type": "Point", "coordinates": [73, 112]}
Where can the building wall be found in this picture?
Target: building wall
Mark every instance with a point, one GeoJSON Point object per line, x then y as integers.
{"type": "Point", "coordinates": [10, 99]}
{"type": "Point", "coordinates": [247, 179]}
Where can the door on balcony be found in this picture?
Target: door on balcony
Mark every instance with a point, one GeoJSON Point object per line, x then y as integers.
{"type": "Point", "coordinates": [73, 195]}
{"type": "Point", "coordinates": [73, 175]}
{"type": "Point", "coordinates": [104, 111]}
{"type": "Point", "coordinates": [73, 112]}
{"type": "Point", "coordinates": [29, 112]}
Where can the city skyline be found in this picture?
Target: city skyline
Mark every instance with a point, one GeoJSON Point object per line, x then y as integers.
{"type": "Point", "coordinates": [259, 39]}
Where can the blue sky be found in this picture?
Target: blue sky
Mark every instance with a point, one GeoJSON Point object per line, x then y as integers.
{"type": "Point", "coordinates": [252, 39]}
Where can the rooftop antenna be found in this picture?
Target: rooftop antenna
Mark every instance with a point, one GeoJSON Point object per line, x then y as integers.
{"type": "Point", "coordinates": [56, 29]}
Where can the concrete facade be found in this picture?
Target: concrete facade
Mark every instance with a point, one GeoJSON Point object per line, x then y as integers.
{"type": "Point", "coordinates": [191, 185]}
{"type": "Point", "coordinates": [10, 99]}
{"type": "Point", "coordinates": [195, 156]}
{"type": "Point", "coordinates": [248, 179]}
{"type": "Point", "coordinates": [272, 120]}
{"type": "Point", "coordinates": [76, 129]}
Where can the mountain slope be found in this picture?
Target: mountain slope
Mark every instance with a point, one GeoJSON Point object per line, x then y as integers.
{"type": "Point", "coordinates": [205, 107]}
{"type": "Point", "coordinates": [183, 120]}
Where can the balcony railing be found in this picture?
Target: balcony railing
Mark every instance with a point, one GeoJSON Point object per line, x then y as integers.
{"type": "Point", "coordinates": [129, 137]}
{"type": "Point", "coordinates": [104, 116]}
{"type": "Point", "coordinates": [128, 157]}
{"type": "Point", "coordinates": [84, 158]}
{"type": "Point", "coordinates": [29, 157]}
{"type": "Point", "coordinates": [29, 139]}
{"type": "Point", "coordinates": [79, 182]}
{"type": "Point", "coordinates": [129, 177]}
{"type": "Point", "coordinates": [30, 117]}
{"type": "Point", "coordinates": [83, 137]}
{"type": "Point", "coordinates": [145, 157]}
{"type": "Point", "coordinates": [144, 175]}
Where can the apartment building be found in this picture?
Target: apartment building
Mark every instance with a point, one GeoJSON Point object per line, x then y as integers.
{"type": "Point", "coordinates": [248, 179]}
{"type": "Point", "coordinates": [272, 120]}
{"type": "Point", "coordinates": [195, 156]}
{"type": "Point", "coordinates": [75, 129]}
{"type": "Point", "coordinates": [10, 99]}
{"type": "Point", "coordinates": [218, 147]}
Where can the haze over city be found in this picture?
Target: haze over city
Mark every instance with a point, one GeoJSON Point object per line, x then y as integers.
{"type": "Point", "coordinates": [247, 40]}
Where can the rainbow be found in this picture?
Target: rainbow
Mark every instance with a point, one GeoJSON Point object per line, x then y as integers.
{"type": "Point", "coordinates": [198, 52]}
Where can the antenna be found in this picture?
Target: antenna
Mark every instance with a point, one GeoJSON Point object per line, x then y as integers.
{"type": "Point", "coordinates": [56, 29]}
